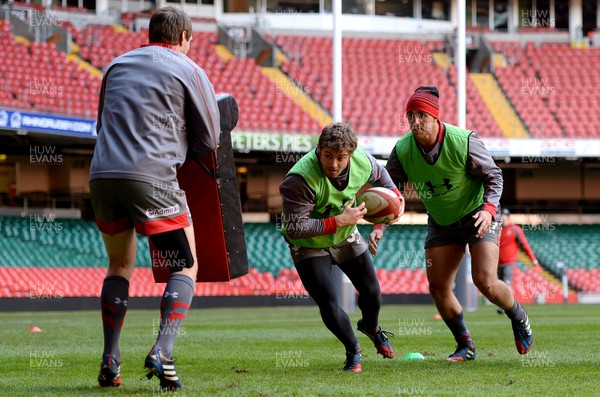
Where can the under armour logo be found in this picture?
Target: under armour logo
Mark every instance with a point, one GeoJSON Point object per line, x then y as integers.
{"type": "Point", "coordinates": [118, 301]}
{"type": "Point", "coordinates": [328, 210]}
{"type": "Point", "coordinates": [173, 294]}
{"type": "Point", "coordinates": [432, 187]}
{"type": "Point", "coordinates": [331, 209]}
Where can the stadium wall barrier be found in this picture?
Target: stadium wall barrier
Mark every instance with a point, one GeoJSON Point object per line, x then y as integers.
{"type": "Point", "coordinates": [588, 298]}
{"type": "Point", "coordinates": [199, 302]}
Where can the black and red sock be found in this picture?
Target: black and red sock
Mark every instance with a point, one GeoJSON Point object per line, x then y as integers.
{"type": "Point", "coordinates": [459, 329]}
{"type": "Point", "coordinates": [516, 312]}
{"type": "Point", "coordinates": [113, 300]}
{"type": "Point", "coordinates": [173, 310]}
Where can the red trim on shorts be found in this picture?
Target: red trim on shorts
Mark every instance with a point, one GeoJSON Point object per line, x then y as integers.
{"type": "Point", "coordinates": [162, 225]}
{"type": "Point", "coordinates": [114, 227]}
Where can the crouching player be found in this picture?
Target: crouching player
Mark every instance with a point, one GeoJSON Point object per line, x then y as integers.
{"type": "Point", "coordinates": [319, 224]}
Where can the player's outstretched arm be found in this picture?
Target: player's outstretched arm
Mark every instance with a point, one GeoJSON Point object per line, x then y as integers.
{"type": "Point", "coordinates": [374, 238]}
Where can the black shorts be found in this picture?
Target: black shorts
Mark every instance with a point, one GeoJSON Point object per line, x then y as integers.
{"type": "Point", "coordinates": [461, 232]}
{"type": "Point", "coordinates": [152, 208]}
{"type": "Point", "coordinates": [346, 250]}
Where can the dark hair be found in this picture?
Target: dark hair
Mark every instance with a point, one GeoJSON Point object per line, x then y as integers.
{"type": "Point", "coordinates": [338, 136]}
{"type": "Point", "coordinates": [167, 24]}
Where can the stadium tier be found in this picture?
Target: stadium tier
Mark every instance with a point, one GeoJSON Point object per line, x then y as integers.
{"type": "Point", "coordinates": [585, 280]}
{"type": "Point", "coordinates": [378, 77]}
{"type": "Point", "coordinates": [379, 74]}
{"type": "Point", "coordinates": [100, 44]}
{"type": "Point", "coordinates": [570, 73]}
{"type": "Point", "coordinates": [67, 256]}
{"type": "Point", "coordinates": [573, 245]}
{"type": "Point", "coordinates": [36, 76]}
{"type": "Point", "coordinates": [263, 107]}
{"type": "Point", "coordinates": [479, 117]}
{"type": "Point", "coordinates": [547, 92]}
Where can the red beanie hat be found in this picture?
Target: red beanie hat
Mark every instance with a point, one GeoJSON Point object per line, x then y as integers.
{"type": "Point", "coordinates": [425, 99]}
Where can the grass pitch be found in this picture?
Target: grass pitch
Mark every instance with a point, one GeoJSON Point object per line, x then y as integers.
{"type": "Point", "coordinates": [288, 352]}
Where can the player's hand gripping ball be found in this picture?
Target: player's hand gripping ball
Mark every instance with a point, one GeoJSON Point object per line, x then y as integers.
{"type": "Point", "coordinates": [383, 205]}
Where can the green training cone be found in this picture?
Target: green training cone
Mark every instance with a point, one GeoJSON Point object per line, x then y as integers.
{"type": "Point", "coordinates": [413, 356]}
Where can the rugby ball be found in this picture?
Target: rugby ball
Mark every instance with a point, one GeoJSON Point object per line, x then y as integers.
{"type": "Point", "coordinates": [382, 205]}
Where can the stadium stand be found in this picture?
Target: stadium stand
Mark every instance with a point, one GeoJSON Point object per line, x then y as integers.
{"type": "Point", "coordinates": [585, 280]}
{"type": "Point", "coordinates": [262, 105]}
{"type": "Point", "coordinates": [378, 77]}
{"type": "Point", "coordinates": [572, 244]}
{"type": "Point", "coordinates": [529, 286]}
{"type": "Point", "coordinates": [547, 93]}
{"type": "Point", "coordinates": [567, 77]}
{"type": "Point", "coordinates": [37, 77]}
{"type": "Point", "coordinates": [100, 44]}
{"type": "Point", "coordinates": [544, 91]}
{"type": "Point", "coordinates": [524, 89]}
{"type": "Point", "coordinates": [61, 87]}
{"type": "Point", "coordinates": [396, 68]}
{"type": "Point", "coordinates": [68, 255]}
{"type": "Point", "coordinates": [479, 117]}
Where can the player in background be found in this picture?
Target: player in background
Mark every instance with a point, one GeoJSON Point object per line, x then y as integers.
{"type": "Point", "coordinates": [460, 186]}
{"type": "Point", "coordinates": [511, 239]}
{"type": "Point", "coordinates": [319, 223]}
{"type": "Point", "coordinates": [156, 107]}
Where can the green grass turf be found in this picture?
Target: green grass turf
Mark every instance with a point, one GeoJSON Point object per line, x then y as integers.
{"type": "Point", "coordinates": [288, 352]}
